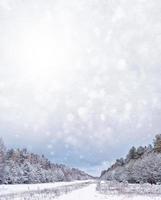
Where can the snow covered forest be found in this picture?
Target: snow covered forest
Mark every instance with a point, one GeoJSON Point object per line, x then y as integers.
{"type": "Point", "coordinates": [20, 166]}
{"type": "Point", "coordinates": [141, 165]}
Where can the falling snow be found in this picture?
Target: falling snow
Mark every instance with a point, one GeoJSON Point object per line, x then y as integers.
{"type": "Point", "coordinates": [76, 74]}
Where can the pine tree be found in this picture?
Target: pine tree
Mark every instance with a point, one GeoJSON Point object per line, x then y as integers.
{"type": "Point", "coordinates": [157, 143]}
{"type": "Point", "coordinates": [140, 151]}
{"type": "Point", "coordinates": [132, 154]}
{"type": "Point", "coordinates": [2, 160]}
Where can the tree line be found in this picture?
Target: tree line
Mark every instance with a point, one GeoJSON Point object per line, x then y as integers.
{"type": "Point", "coordinates": [20, 166]}
{"type": "Point", "coordinates": [142, 164]}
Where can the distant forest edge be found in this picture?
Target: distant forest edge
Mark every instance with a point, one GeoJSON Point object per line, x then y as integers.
{"type": "Point", "coordinates": [141, 165]}
{"type": "Point", "coordinates": [19, 166]}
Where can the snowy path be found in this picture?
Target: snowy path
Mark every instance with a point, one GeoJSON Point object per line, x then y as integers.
{"type": "Point", "coordinates": [87, 193]}
{"type": "Point", "coordinates": [90, 193]}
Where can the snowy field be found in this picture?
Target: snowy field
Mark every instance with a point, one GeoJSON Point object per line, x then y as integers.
{"type": "Point", "coordinates": [19, 188]}
{"type": "Point", "coordinates": [39, 191]}
{"type": "Point", "coordinates": [83, 190]}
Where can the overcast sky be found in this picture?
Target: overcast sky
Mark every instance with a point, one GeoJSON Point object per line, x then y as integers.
{"type": "Point", "coordinates": [80, 80]}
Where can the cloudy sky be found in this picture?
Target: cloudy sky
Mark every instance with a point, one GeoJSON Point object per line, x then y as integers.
{"type": "Point", "coordinates": [80, 80]}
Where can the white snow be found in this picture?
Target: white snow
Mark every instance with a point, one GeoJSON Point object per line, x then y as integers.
{"type": "Point", "coordinates": [89, 192]}
{"type": "Point", "coordinates": [10, 189]}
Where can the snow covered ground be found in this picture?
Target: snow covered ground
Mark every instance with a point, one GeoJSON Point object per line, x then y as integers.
{"type": "Point", "coordinates": [90, 193]}
{"type": "Point", "coordinates": [39, 191]}
{"type": "Point", "coordinates": [18, 188]}
{"type": "Point", "coordinates": [81, 190]}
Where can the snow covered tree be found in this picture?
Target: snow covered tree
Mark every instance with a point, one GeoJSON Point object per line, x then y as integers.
{"type": "Point", "coordinates": [149, 148]}
{"type": "Point", "coordinates": [19, 166]}
{"type": "Point", "coordinates": [157, 143]}
{"type": "Point", "coordinates": [140, 151]}
{"type": "Point", "coordinates": [120, 162]}
{"type": "Point", "coordinates": [132, 154]}
{"type": "Point", "coordinates": [142, 165]}
{"type": "Point", "coordinates": [2, 160]}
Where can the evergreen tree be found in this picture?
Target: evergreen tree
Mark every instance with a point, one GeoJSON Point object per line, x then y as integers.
{"type": "Point", "coordinates": [2, 160]}
{"type": "Point", "coordinates": [140, 151]}
{"type": "Point", "coordinates": [132, 154]}
{"type": "Point", "coordinates": [19, 166]}
{"type": "Point", "coordinates": [157, 143]}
